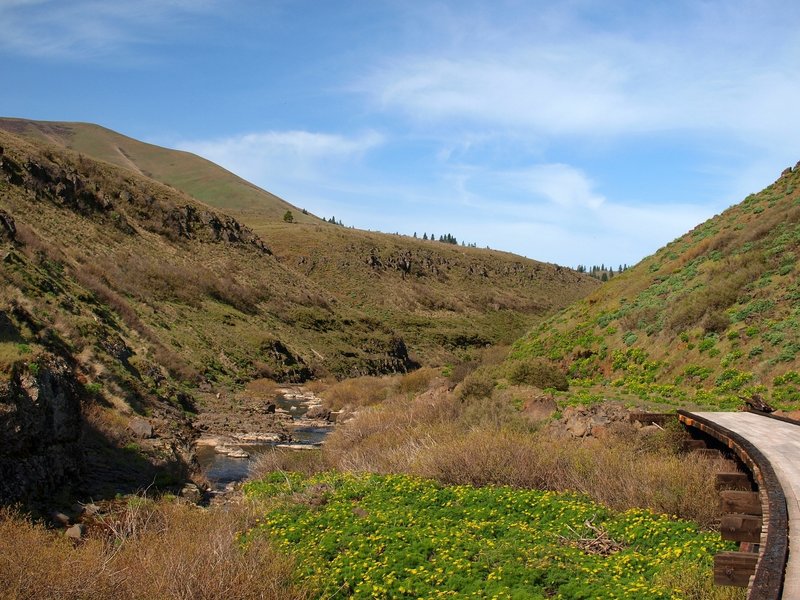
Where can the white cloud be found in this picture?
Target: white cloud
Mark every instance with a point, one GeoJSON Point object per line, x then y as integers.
{"type": "Point", "coordinates": [723, 68]}
{"type": "Point", "coordinates": [561, 184]}
{"type": "Point", "coordinates": [286, 162]}
{"type": "Point", "coordinates": [553, 212]}
{"type": "Point", "coordinates": [528, 90]}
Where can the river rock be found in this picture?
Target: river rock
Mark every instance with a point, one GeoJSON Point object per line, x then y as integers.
{"type": "Point", "coordinates": [192, 493]}
{"type": "Point", "coordinates": [299, 446]}
{"type": "Point", "coordinates": [318, 411]}
{"type": "Point", "coordinates": [231, 451]}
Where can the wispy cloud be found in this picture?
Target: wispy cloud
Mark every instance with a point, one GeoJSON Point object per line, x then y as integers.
{"type": "Point", "coordinates": [554, 212]}
{"type": "Point", "coordinates": [89, 29]}
{"type": "Point", "coordinates": [569, 77]}
{"type": "Point", "coordinates": [287, 162]}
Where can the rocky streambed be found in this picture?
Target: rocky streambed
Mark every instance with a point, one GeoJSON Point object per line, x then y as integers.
{"type": "Point", "coordinates": [236, 431]}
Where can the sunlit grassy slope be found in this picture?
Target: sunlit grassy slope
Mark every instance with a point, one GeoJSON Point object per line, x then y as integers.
{"type": "Point", "coordinates": [440, 298]}
{"type": "Point", "coordinates": [711, 316]}
{"type": "Point", "coordinates": [192, 174]}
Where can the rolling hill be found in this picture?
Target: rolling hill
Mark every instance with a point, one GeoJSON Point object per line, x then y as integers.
{"type": "Point", "coordinates": [122, 296]}
{"type": "Point", "coordinates": [440, 298]}
{"type": "Point", "coordinates": [184, 171]}
{"type": "Point", "coordinates": [712, 316]}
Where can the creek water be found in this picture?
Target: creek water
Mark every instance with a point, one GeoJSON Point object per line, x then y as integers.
{"type": "Point", "coordinates": [222, 470]}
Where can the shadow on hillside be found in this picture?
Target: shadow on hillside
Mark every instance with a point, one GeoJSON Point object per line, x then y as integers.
{"type": "Point", "coordinates": [109, 470]}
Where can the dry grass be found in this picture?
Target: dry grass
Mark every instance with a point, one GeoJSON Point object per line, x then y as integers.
{"type": "Point", "coordinates": [262, 389]}
{"type": "Point", "coordinates": [367, 391]}
{"type": "Point", "coordinates": [357, 392]}
{"type": "Point", "coordinates": [308, 462]}
{"type": "Point", "coordinates": [151, 550]}
{"type": "Point", "coordinates": [487, 441]}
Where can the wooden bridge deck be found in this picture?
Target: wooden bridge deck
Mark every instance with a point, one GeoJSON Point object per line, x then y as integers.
{"type": "Point", "coordinates": [779, 442]}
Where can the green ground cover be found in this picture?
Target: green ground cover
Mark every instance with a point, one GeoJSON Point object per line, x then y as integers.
{"type": "Point", "coordinates": [396, 536]}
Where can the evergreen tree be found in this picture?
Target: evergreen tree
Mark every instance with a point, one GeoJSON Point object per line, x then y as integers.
{"type": "Point", "coordinates": [288, 216]}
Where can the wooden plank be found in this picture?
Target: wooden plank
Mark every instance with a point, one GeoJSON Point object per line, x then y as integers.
{"type": "Point", "coordinates": [690, 444]}
{"type": "Point", "coordinates": [733, 481]}
{"type": "Point", "coordinates": [734, 568]}
{"type": "Point", "coordinates": [740, 528]}
{"type": "Point", "coordinates": [736, 501]}
{"type": "Point", "coordinates": [647, 418]}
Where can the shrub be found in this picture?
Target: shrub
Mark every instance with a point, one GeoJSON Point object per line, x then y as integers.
{"type": "Point", "coordinates": [459, 372]}
{"type": "Point", "coordinates": [715, 322]}
{"type": "Point", "coordinates": [478, 384]}
{"type": "Point", "coordinates": [415, 382]}
{"type": "Point", "coordinates": [539, 373]}
{"type": "Point", "coordinates": [360, 391]}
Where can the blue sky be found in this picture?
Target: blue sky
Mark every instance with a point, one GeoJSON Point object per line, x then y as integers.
{"type": "Point", "coordinates": [574, 132]}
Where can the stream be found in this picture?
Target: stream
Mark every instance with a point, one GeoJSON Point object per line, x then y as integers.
{"type": "Point", "coordinates": [224, 470]}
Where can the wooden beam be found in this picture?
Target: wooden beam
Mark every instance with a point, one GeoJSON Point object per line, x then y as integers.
{"type": "Point", "coordinates": [690, 444]}
{"type": "Point", "coordinates": [733, 481]}
{"type": "Point", "coordinates": [646, 418]}
{"type": "Point", "coordinates": [740, 528]}
{"type": "Point", "coordinates": [736, 501]}
{"type": "Point", "coordinates": [734, 568]}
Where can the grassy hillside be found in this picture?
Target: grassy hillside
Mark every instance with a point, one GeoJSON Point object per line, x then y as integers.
{"type": "Point", "coordinates": [440, 298]}
{"type": "Point", "coordinates": [713, 315]}
{"type": "Point", "coordinates": [195, 283]}
{"type": "Point", "coordinates": [184, 171]}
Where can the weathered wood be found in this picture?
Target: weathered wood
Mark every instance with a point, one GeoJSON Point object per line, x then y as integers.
{"type": "Point", "coordinates": [749, 547]}
{"type": "Point", "coordinates": [740, 528]}
{"type": "Point", "coordinates": [736, 501]}
{"type": "Point", "coordinates": [690, 444]}
{"type": "Point", "coordinates": [734, 568]}
{"type": "Point", "coordinates": [647, 418]}
{"type": "Point", "coordinates": [733, 481]}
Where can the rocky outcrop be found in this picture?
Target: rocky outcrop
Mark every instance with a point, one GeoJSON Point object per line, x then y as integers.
{"type": "Point", "coordinates": [591, 421]}
{"type": "Point", "coordinates": [8, 229]}
{"type": "Point", "coordinates": [193, 223]}
{"type": "Point", "coordinates": [40, 428]}
{"type": "Point", "coordinates": [84, 188]}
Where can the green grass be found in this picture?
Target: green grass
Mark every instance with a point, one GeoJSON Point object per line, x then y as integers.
{"type": "Point", "coordinates": [371, 536]}
{"type": "Point", "coordinates": [724, 300]}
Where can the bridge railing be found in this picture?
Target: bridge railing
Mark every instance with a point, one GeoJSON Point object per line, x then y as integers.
{"type": "Point", "coordinates": [766, 582]}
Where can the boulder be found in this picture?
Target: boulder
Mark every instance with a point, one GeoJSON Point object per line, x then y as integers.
{"type": "Point", "coordinates": [192, 493]}
{"type": "Point", "coordinates": [596, 420]}
{"type": "Point", "coordinates": [59, 519]}
{"type": "Point", "coordinates": [141, 428]}
{"type": "Point", "coordinates": [75, 532]}
{"type": "Point", "coordinates": [318, 411]}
